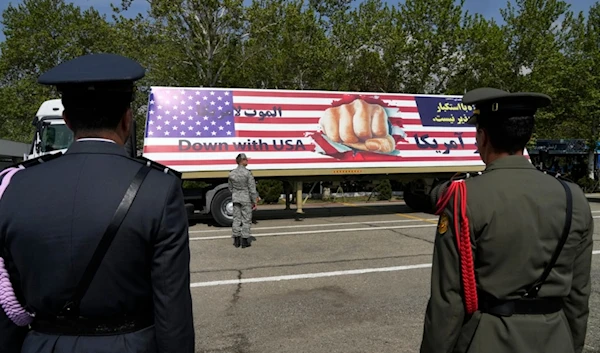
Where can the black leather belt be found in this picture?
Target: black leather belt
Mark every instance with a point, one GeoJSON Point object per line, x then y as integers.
{"type": "Point", "coordinates": [82, 326]}
{"type": "Point", "coordinates": [524, 306]}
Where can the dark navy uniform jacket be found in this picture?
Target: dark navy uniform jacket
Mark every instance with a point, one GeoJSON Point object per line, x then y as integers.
{"type": "Point", "coordinates": [53, 216]}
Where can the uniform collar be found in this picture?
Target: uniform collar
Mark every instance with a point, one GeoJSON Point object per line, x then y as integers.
{"type": "Point", "coordinates": [510, 162]}
{"type": "Point", "coordinates": [97, 146]}
{"type": "Point", "coordinates": [95, 139]}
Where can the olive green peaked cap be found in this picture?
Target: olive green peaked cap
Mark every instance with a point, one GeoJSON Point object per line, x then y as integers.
{"type": "Point", "coordinates": [491, 102]}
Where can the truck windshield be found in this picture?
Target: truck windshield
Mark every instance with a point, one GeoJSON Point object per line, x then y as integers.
{"type": "Point", "coordinates": [56, 137]}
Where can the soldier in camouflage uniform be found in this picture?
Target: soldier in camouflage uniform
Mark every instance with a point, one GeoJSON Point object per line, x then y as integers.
{"type": "Point", "coordinates": [512, 257]}
{"type": "Point", "coordinates": [244, 196]}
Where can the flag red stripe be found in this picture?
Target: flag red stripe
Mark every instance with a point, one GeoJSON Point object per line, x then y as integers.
{"type": "Point", "coordinates": [304, 94]}
{"type": "Point", "coordinates": [319, 160]}
{"type": "Point", "coordinates": [248, 120]}
{"type": "Point", "coordinates": [299, 134]}
{"type": "Point", "coordinates": [267, 148]}
{"type": "Point", "coordinates": [270, 120]}
{"type": "Point", "coordinates": [268, 107]}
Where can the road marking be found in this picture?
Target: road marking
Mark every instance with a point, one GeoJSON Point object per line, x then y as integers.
{"type": "Point", "coordinates": [309, 225]}
{"type": "Point", "coordinates": [318, 231]}
{"type": "Point", "coordinates": [427, 220]}
{"type": "Point", "coordinates": [308, 275]}
{"type": "Point", "coordinates": [359, 271]}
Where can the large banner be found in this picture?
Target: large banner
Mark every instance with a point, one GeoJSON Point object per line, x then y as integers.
{"type": "Point", "coordinates": [204, 129]}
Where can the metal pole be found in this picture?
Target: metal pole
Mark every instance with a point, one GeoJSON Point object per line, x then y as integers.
{"type": "Point", "coordinates": [299, 202]}
{"type": "Point", "coordinates": [310, 192]}
{"type": "Point", "coordinates": [299, 197]}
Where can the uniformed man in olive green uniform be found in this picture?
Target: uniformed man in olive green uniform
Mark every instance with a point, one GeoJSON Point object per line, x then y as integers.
{"type": "Point", "coordinates": [244, 196]}
{"type": "Point", "coordinates": [488, 291]}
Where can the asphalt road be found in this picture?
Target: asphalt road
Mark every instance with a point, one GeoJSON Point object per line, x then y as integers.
{"type": "Point", "coordinates": [351, 278]}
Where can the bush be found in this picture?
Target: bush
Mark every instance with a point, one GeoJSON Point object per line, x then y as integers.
{"type": "Point", "coordinates": [269, 190]}
{"type": "Point", "coordinates": [191, 184]}
{"type": "Point", "coordinates": [384, 190]}
{"type": "Point", "coordinates": [587, 184]}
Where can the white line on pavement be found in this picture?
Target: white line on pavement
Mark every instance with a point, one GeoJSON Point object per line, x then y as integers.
{"type": "Point", "coordinates": [315, 275]}
{"type": "Point", "coordinates": [308, 275]}
{"type": "Point", "coordinates": [318, 225]}
{"type": "Point", "coordinates": [320, 231]}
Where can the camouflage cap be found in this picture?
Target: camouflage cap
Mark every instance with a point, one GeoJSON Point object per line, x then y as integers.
{"type": "Point", "coordinates": [240, 157]}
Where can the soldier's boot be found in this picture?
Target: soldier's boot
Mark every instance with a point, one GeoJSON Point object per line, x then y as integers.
{"type": "Point", "coordinates": [246, 243]}
{"type": "Point", "coordinates": [236, 242]}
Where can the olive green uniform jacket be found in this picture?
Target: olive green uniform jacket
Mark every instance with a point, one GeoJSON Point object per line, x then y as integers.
{"type": "Point", "coordinates": [516, 217]}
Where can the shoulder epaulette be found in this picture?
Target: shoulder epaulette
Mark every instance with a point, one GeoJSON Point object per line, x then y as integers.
{"type": "Point", "coordinates": [36, 161]}
{"type": "Point", "coordinates": [158, 166]}
{"type": "Point", "coordinates": [462, 176]}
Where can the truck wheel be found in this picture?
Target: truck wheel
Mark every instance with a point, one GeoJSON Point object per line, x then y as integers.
{"type": "Point", "coordinates": [221, 208]}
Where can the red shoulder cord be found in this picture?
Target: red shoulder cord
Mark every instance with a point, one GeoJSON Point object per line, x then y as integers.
{"type": "Point", "coordinates": [458, 189]}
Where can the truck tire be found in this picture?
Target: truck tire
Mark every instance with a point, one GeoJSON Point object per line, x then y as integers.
{"type": "Point", "coordinates": [221, 208]}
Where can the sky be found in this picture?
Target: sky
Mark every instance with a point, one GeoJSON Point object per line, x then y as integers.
{"type": "Point", "coordinates": [489, 8]}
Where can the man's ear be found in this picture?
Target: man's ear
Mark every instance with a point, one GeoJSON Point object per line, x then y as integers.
{"type": "Point", "coordinates": [67, 121]}
{"type": "Point", "coordinates": [483, 137]}
{"type": "Point", "coordinates": [127, 121]}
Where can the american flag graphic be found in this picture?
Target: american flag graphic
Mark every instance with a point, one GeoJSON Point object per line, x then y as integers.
{"type": "Point", "coordinates": [204, 129]}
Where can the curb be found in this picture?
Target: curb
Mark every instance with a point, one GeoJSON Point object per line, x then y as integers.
{"type": "Point", "coordinates": [281, 207]}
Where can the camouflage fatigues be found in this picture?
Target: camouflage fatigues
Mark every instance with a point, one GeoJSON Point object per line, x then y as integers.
{"type": "Point", "coordinates": [243, 192]}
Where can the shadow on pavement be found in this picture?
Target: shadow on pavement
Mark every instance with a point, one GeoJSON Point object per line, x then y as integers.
{"type": "Point", "coordinates": [318, 212]}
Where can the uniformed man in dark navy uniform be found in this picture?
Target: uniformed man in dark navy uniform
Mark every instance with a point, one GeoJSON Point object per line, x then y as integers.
{"type": "Point", "coordinates": [513, 248]}
{"type": "Point", "coordinates": [94, 242]}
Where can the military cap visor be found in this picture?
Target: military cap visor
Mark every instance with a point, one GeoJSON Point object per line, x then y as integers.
{"type": "Point", "coordinates": [94, 72]}
{"type": "Point", "coordinates": [492, 101]}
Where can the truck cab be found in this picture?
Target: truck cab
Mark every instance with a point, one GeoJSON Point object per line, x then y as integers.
{"type": "Point", "coordinates": [52, 135]}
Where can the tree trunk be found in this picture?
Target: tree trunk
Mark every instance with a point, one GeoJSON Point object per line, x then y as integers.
{"type": "Point", "coordinates": [591, 162]}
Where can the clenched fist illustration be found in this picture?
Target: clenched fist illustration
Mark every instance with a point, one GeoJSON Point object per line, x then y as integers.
{"type": "Point", "coordinates": [359, 125]}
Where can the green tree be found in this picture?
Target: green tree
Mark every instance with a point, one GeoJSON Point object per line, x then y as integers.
{"type": "Point", "coordinates": [285, 48]}
{"type": "Point", "coordinates": [200, 39]}
{"type": "Point", "coordinates": [484, 57]}
{"type": "Point", "coordinates": [270, 190]}
{"type": "Point", "coordinates": [431, 34]}
{"type": "Point", "coordinates": [384, 190]}
{"type": "Point", "coordinates": [362, 38]}
{"type": "Point", "coordinates": [536, 50]}
{"type": "Point", "coordinates": [40, 34]}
